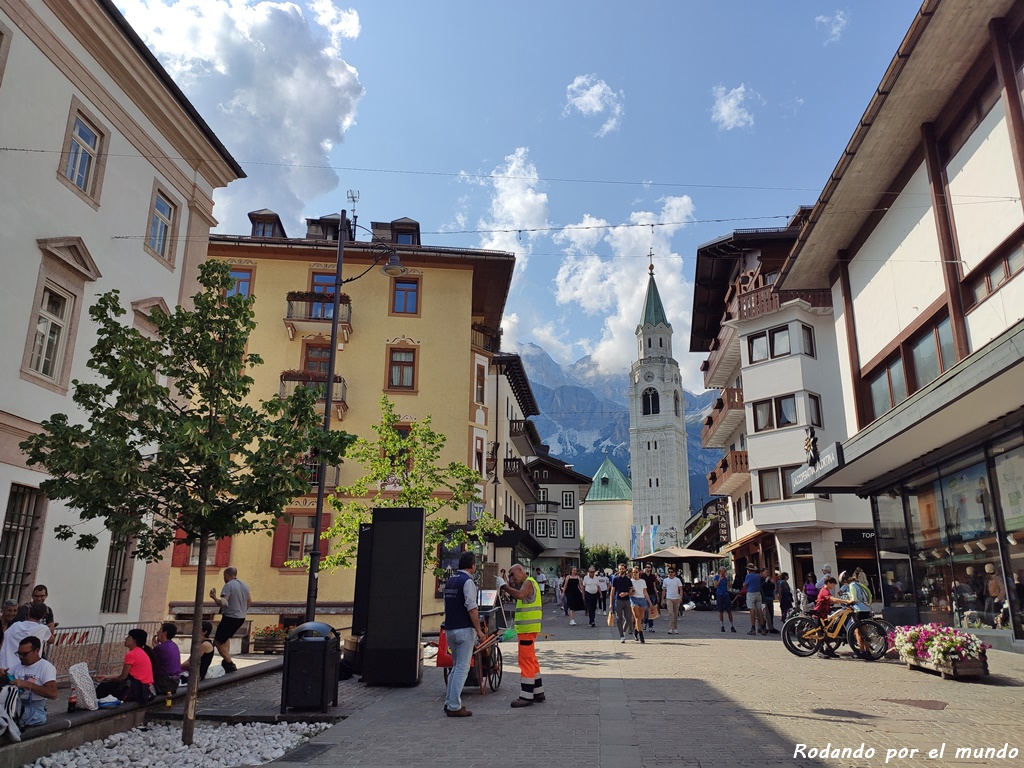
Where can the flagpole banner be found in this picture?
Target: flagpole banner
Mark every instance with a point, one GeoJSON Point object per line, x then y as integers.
{"type": "Point", "coordinates": [654, 533]}
{"type": "Point", "coordinates": [632, 543]}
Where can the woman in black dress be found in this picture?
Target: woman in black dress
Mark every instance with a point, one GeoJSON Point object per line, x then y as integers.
{"type": "Point", "coordinates": [572, 588]}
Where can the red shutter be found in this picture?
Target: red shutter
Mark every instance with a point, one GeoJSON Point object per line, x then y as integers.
{"type": "Point", "coordinates": [325, 523]}
{"type": "Point", "coordinates": [222, 556]}
{"type": "Point", "coordinates": [279, 549]}
{"type": "Point", "coordinates": [180, 553]}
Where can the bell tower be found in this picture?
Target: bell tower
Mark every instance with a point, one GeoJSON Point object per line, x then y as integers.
{"type": "Point", "coordinates": [657, 427]}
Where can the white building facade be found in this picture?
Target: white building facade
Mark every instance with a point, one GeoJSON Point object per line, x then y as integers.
{"type": "Point", "coordinates": [103, 189]}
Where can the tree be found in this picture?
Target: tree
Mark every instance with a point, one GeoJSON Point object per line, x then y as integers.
{"type": "Point", "coordinates": [183, 462]}
{"type": "Point", "coordinates": [601, 556]}
{"type": "Point", "coordinates": [402, 469]}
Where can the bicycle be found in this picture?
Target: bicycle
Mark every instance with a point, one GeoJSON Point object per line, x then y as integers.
{"type": "Point", "coordinates": [805, 635]}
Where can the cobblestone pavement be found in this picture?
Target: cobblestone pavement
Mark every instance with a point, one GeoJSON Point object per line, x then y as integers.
{"type": "Point", "coordinates": [699, 698]}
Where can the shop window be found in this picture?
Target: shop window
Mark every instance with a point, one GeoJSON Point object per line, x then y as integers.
{"type": "Point", "coordinates": [1009, 474]}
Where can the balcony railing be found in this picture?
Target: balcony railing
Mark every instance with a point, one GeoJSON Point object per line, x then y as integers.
{"type": "Point", "coordinates": [764, 300]}
{"type": "Point", "coordinates": [726, 414]}
{"type": "Point", "coordinates": [311, 312]}
{"type": "Point", "coordinates": [543, 508]}
{"type": "Point", "coordinates": [332, 474]}
{"type": "Point", "coordinates": [318, 381]}
{"type": "Point", "coordinates": [484, 338]}
{"type": "Point", "coordinates": [731, 473]}
{"type": "Point", "coordinates": [518, 478]}
{"type": "Point", "coordinates": [524, 436]}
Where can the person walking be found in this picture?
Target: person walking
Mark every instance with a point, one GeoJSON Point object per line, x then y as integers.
{"type": "Point", "coordinates": [651, 580]}
{"type": "Point", "coordinates": [768, 599]}
{"type": "Point", "coordinates": [723, 600]}
{"type": "Point", "coordinates": [602, 599]}
{"type": "Point", "coordinates": [755, 603]}
{"type": "Point", "coordinates": [462, 629]}
{"type": "Point", "coordinates": [785, 593]}
{"type": "Point", "coordinates": [621, 587]}
{"type": "Point", "coordinates": [591, 593]}
{"type": "Point", "coordinates": [234, 603]}
{"type": "Point", "coordinates": [572, 593]}
{"type": "Point", "coordinates": [640, 601]}
{"type": "Point", "coordinates": [673, 599]}
{"type": "Point", "coordinates": [527, 624]}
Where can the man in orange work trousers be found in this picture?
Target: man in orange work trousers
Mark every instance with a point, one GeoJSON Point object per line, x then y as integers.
{"type": "Point", "coordinates": [525, 590]}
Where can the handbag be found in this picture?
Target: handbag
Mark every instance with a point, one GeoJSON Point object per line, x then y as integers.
{"type": "Point", "coordinates": [653, 612]}
{"type": "Point", "coordinates": [82, 681]}
{"type": "Point", "coordinates": [611, 618]}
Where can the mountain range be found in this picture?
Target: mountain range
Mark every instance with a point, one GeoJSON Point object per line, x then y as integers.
{"type": "Point", "coordinates": [585, 413]}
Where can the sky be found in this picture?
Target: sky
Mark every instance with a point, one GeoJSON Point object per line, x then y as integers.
{"type": "Point", "coordinates": [581, 136]}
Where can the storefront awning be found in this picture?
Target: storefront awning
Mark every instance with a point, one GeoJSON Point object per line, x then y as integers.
{"type": "Point", "coordinates": [519, 538]}
{"type": "Point", "coordinates": [749, 538]}
{"type": "Point", "coordinates": [979, 397]}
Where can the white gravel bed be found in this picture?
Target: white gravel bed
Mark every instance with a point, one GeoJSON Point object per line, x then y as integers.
{"type": "Point", "coordinates": [159, 746]}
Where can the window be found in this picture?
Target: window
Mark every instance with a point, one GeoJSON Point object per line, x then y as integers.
{"type": "Point", "coordinates": [51, 333]}
{"type": "Point", "coordinates": [888, 387]}
{"type": "Point", "coordinates": [293, 538]}
{"type": "Point", "coordinates": [541, 526]}
{"type": "Point", "coordinates": [568, 529]}
{"type": "Point", "coordinates": [651, 402]}
{"type": "Point", "coordinates": [675, 398]}
{"type": "Point", "coordinates": [777, 483]}
{"type": "Point", "coordinates": [5, 47]}
{"type": "Point", "coordinates": [83, 158]}
{"type": "Point", "coordinates": [542, 494]}
{"type": "Point", "coordinates": [20, 539]}
{"type": "Point", "coordinates": [316, 358]}
{"type": "Point", "coordinates": [763, 416]}
{"type": "Point", "coordinates": [161, 241]}
{"type": "Point", "coordinates": [768, 344]}
{"type": "Point", "coordinates": [401, 369]}
{"type": "Point", "coordinates": [322, 282]}
{"type": "Point", "coordinates": [933, 353]}
{"type": "Point", "coordinates": [117, 576]}
{"type": "Point", "coordinates": [787, 481]}
{"type": "Point", "coordinates": [263, 229]}
{"type": "Point", "coordinates": [404, 238]}
{"type": "Point", "coordinates": [481, 382]}
{"type": "Point", "coordinates": [785, 410]}
{"type": "Point", "coordinates": [242, 282]}
{"type": "Point", "coordinates": [405, 293]}
{"type": "Point", "coordinates": [530, 527]}
{"type": "Point", "coordinates": [552, 529]}
{"type": "Point", "coordinates": [807, 337]}
{"type": "Point", "coordinates": [814, 410]}
{"type": "Point", "coordinates": [568, 499]}
{"type": "Point", "coordinates": [211, 552]}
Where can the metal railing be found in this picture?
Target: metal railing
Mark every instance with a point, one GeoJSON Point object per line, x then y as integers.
{"type": "Point", "coordinates": [72, 645]}
{"type": "Point", "coordinates": [112, 649]}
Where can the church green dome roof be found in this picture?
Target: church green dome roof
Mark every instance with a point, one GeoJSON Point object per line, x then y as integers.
{"type": "Point", "coordinates": [654, 310]}
{"type": "Point", "coordinates": [609, 484]}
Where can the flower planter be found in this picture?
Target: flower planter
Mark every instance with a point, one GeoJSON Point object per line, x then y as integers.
{"type": "Point", "coordinates": [268, 644]}
{"type": "Point", "coordinates": [955, 669]}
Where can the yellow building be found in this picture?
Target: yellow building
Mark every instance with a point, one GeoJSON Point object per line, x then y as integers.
{"type": "Point", "coordinates": [425, 338]}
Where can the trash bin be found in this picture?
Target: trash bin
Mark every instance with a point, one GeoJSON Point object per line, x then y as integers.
{"type": "Point", "coordinates": [312, 653]}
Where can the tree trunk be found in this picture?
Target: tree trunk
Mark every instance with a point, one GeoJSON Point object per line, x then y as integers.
{"type": "Point", "coordinates": [188, 722]}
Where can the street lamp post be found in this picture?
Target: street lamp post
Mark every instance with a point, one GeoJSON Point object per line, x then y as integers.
{"type": "Point", "coordinates": [393, 268]}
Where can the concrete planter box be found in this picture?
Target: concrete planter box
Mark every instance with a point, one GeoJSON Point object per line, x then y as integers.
{"type": "Point", "coordinates": [955, 669]}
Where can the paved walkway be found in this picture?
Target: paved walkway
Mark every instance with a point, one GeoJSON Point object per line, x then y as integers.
{"type": "Point", "coordinates": [700, 698]}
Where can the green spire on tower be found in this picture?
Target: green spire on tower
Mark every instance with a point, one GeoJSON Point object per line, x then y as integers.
{"type": "Point", "coordinates": [654, 311]}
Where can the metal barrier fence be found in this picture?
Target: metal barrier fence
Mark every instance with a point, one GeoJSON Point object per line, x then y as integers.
{"type": "Point", "coordinates": [72, 645]}
{"type": "Point", "coordinates": [102, 648]}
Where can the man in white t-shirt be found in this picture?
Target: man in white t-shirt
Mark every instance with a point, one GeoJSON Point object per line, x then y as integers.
{"type": "Point", "coordinates": [672, 588]}
{"type": "Point", "coordinates": [19, 630]}
{"type": "Point", "coordinates": [542, 582]}
{"type": "Point", "coordinates": [23, 701]}
{"type": "Point", "coordinates": [591, 590]}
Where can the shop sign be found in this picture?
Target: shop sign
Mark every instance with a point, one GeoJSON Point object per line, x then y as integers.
{"type": "Point", "coordinates": [827, 461]}
{"type": "Point", "coordinates": [800, 549]}
{"type": "Point", "coordinates": [722, 509]}
{"type": "Point", "coordinates": [858, 536]}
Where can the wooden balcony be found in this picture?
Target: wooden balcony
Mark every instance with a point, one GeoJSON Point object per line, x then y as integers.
{"type": "Point", "coordinates": [763, 301]}
{"type": "Point", "coordinates": [485, 338]}
{"type": "Point", "coordinates": [310, 312]}
{"type": "Point", "coordinates": [311, 380]}
{"type": "Point", "coordinates": [524, 436]}
{"type": "Point", "coordinates": [518, 478]}
{"type": "Point", "coordinates": [726, 415]}
{"type": "Point", "coordinates": [731, 474]}
{"type": "Point", "coordinates": [724, 361]}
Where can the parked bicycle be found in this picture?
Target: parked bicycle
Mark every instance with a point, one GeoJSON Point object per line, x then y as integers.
{"type": "Point", "coordinates": [805, 634]}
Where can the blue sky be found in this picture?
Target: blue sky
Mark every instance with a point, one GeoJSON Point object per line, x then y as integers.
{"type": "Point", "coordinates": [578, 135]}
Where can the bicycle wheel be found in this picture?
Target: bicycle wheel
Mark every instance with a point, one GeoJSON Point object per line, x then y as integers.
{"type": "Point", "coordinates": [494, 676]}
{"type": "Point", "coordinates": [871, 644]}
{"type": "Point", "coordinates": [801, 636]}
{"type": "Point", "coordinates": [890, 629]}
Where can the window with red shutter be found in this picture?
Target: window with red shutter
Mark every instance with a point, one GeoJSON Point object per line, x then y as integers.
{"type": "Point", "coordinates": [181, 551]}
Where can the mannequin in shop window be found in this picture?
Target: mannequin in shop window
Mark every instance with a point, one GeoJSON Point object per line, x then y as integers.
{"type": "Point", "coordinates": [995, 596]}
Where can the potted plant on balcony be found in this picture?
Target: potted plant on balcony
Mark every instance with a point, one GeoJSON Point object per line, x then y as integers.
{"type": "Point", "coordinates": [948, 651]}
{"type": "Point", "coordinates": [269, 639]}
{"type": "Point", "coordinates": [317, 296]}
{"type": "Point", "coordinates": [296, 374]}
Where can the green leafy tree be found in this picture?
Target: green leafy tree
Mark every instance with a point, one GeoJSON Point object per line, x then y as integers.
{"type": "Point", "coordinates": [185, 461]}
{"type": "Point", "coordinates": [403, 468]}
{"type": "Point", "coordinates": [601, 556]}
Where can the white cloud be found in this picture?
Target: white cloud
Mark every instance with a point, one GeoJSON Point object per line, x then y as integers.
{"type": "Point", "coordinates": [834, 26]}
{"type": "Point", "coordinates": [554, 342]}
{"type": "Point", "coordinates": [590, 96]}
{"type": "Point", "coordinates": [269, 79]}
{"type": "Point", "coordinates": [510, 332]}
{"type": "Point", "coordinates": [614, 288]}
{"type": "Point", "coordinates": [517, 206]}
{"type": "Point", "coordinates": [729, 110]}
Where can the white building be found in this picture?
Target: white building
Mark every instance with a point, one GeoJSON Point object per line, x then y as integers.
{"type": "Point", "coordinates": [773, 356]}
{"type": "Point", "coordinates": [555, 519]}
{"type": "Point", "coordinates": [606, 516]}
{"type": "Point", "coordinates": [919, 238]}
{"type": "Point", "coordinates": [657, 427]}
{"type": "Point", "coordinates": [109, 174]}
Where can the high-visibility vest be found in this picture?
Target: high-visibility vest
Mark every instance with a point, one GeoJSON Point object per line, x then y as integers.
{"type": "Point", "coordinates": [528, 615]}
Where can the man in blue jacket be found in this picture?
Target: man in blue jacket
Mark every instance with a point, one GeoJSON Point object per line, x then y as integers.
{"type": "Point", "coordinates": [462, 627]}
